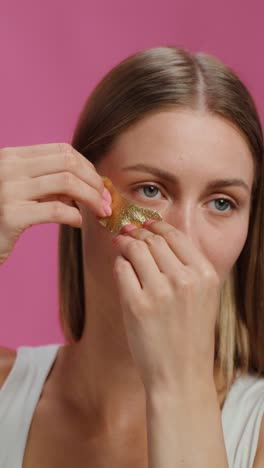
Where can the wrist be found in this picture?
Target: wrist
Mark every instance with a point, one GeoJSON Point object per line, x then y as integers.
{"type": "Point", "coordinates": [192, 391]}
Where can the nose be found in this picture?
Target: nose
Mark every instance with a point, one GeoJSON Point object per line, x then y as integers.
{"type": "Point", "coordinates": [185, 219]}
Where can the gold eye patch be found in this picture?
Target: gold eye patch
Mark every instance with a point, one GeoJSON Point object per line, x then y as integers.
{"type": "Point", "coordinates": [125, 212]}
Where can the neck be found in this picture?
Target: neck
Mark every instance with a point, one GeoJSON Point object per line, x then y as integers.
{"type": "Point", "coordinates": [98, 374]}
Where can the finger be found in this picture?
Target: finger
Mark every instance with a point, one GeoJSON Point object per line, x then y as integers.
{"type": "Point", "coordinates": [34, 150]}
{"type": "Point", "coordinates": [53, 164]}
{"type": "Point", "coordinates": [180, 244]}
{"type": "Point", "coordinates": [128, 284]}
{"type": "Point", "coordinates": [60, 198]}
{"type": "Point", "coordinates": [63, 184]}
{"type": "Point", "coordinates": [138, 254]}
{"type": "Point", "coordinates": [29, 214]}
{"type": "Point", "coordinates": [165, 258]}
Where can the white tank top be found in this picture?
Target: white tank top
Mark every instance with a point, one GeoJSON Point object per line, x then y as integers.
{"type": "Point", "coordinates": [241, 414]}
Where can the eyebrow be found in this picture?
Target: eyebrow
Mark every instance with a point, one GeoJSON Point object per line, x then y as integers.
{"type": "Point", "coordinates": [169, 177]}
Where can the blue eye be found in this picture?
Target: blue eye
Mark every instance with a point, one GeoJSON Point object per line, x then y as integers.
{"type": "Point", "coordinates": [149, 190]}
{"type": "Point", "coordinates": [225, 203]}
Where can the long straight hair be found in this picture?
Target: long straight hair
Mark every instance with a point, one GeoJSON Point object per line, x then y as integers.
{"type": "Point", "coordinates": [159, 79]}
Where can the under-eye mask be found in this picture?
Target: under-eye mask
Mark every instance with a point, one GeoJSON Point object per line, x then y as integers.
{"type": "Point", "coordinates": [125, 212]}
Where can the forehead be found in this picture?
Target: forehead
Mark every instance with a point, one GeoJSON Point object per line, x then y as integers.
{"type": "Point", "coordinates": [184, 139]}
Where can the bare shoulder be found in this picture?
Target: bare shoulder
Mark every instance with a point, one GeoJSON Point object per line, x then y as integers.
{"type": "Point", "coordinates": [259, 459]}
{"type": "Point", "coordinates": [7, 359]}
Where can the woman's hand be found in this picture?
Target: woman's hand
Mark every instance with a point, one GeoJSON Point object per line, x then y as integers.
{"type": "Point", "coordinates": [170, 295]}
{"type": "Point", "coordinates": [43, 184]}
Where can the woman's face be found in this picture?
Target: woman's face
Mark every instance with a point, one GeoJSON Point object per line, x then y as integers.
{"type": "Point", "coordinates": [167, 162]}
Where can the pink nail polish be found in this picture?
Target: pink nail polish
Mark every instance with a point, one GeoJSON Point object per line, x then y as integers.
{"type": "Point", "coordinates": [148, 222]}
{"type": "Point", "coordinates": [107, 195]}
{"type": "Point", "coordinates": [127, 228]}
{"type": "Point", "coordinates": [107, 208]}
{"type": "Point", "coordinates": [116, 239]}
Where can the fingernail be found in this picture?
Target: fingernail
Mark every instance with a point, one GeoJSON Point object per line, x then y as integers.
{"type": "Point", "coordinates": [127, 228]}
{"type": "Point", "coordinates": [148, 222]}
{"type": "Point", "coordinates": [116, 239]}
{"type": "Point", "coordinates": [107, 195]}
{"type": "Point", "coordinates": [107, 208]}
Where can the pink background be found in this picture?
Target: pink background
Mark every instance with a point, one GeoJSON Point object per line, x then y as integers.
{"type": "Point", "coordinates": [52, 55]}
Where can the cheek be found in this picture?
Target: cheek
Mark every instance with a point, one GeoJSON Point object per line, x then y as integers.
{"type": "Point", "coordinates": [223, 251]}
{"type": "Point", "coordinates": [98, 251]}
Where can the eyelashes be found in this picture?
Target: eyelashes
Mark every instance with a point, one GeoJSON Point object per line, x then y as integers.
{"type": "Point", "coordinates": [226, 201]}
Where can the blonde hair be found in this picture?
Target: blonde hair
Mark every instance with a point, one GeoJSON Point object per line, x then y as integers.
{"type": "Point", "coordinates": [158, 79]}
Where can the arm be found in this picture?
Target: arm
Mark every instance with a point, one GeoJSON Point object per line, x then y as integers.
{"type": "Point", "coordinates": [169, 309]}
{"type": "Point", "coordinates": [259, 459]}
{"type": "Point", "coordinates": [184, 429]}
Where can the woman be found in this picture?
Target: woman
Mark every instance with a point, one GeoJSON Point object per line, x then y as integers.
{"type": "Point", "coordinates": [164, 359]}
